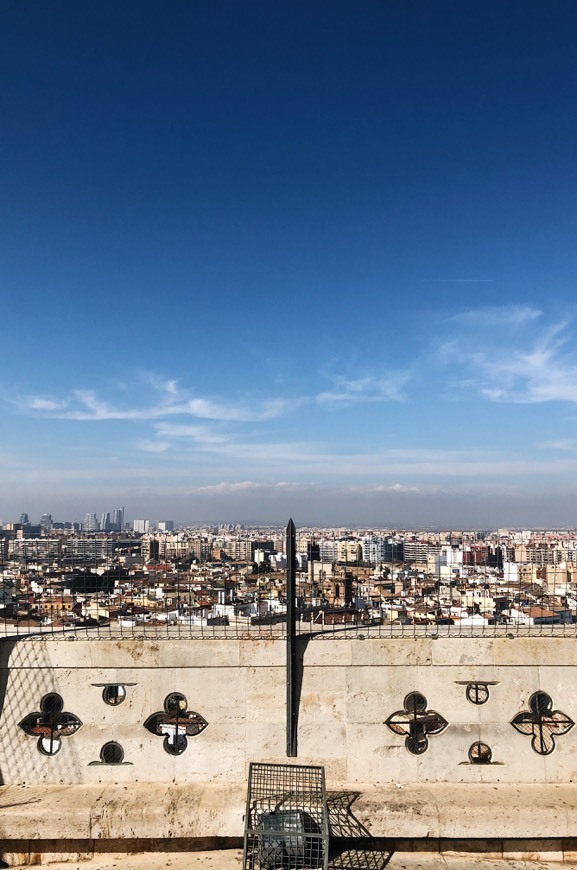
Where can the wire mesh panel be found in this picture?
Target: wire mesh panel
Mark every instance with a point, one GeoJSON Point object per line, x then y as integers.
{"type": "Point", "coordinates": [286, 822]}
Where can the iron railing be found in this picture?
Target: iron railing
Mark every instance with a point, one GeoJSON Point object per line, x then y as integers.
{"type": "Point", "coordinates": [224, 601]}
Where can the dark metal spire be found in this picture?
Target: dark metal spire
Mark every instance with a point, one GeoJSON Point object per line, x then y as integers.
{"type": "Point", "coordinates": [291, 661]}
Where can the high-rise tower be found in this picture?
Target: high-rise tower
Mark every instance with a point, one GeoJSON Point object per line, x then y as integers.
{"type": "Point", "coordinates": [118, 519]}
{"type": "Point", "coordinates": [90, 523]}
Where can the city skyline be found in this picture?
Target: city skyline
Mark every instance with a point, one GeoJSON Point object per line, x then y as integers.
{"type": "Point", "coordinates": [269, 260]}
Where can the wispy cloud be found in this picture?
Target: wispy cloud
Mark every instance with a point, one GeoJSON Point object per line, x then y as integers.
{"type": "Point", "coordinates": [497, 315]}
{"type": "Point", "coordinates": [87, 405]}
{"type": "Point", "coordinates": [167, 386]}
{"type": "Point", "coordinates": [399, 488]}
{"type": "Point", "coordinates": [308, 460]}
{"type": "Point", "coordinates": [564, 444]}
{"type": "Point", "coordinates": [251, 412]}
{"type": "Point", "coordinates": [368, 388]}
{"type": "Point", "coordinates": [219, 488]}
{"type": "Point", "coordinates": [510, 355]}
{"type": "Point", "coordinates": [276, 455]}
{"type": "Point", "coordinates": [153, 446]}
{"type": "Point", "coordinates": [198, 434]}
{"type": "Point", "coordinates": [44, 403]}
{"type": "Point", "coordinates": [245, 486]}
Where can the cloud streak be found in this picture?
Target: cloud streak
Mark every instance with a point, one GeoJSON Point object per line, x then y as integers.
{"type": "Point", "coordinates": [86, 405]}
{"type": "Point", "coordinates": [43, 403]}
{"type": "Point", "coordinates": [171, 401]}
{"type": "Point", "coordinates": [369, 388]}
{"type": "Point", "coordinates": [564, 444]}
{"type": "Point", "coordinates": [509, 356]}
{"type": "Point", "coordinates": [504, 354]}
{"type": "Point", "coordinates": [497, 315]}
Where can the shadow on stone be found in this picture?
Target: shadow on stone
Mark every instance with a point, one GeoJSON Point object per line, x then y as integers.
{"type": "Point", "coordinates": [351, 844]}
{"type": "Point", "coordinates": [6, 646]}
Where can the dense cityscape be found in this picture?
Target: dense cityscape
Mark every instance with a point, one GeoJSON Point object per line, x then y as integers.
{"type": "Point", "coordinates": [110, 571]}
{"type": "Point", "coordinates": [288, 461]}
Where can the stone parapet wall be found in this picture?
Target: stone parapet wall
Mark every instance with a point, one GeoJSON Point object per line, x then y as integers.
{"type": "Point", "coordinates": [354, 717]}
{"type": "Point", "coordinates": [392, 722]}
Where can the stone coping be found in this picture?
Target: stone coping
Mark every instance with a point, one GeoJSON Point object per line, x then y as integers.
{"type": "Point", "coordinates": [192, 810]}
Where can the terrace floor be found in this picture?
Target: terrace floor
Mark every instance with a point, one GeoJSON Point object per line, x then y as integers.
{"type": "Point", "coordinates": [231, 859]}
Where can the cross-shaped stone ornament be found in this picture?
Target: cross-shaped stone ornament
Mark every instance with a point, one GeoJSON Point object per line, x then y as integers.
{"type": "Point", "coordinates": [50, 724]}
{"type": "Point", "coordinates": [542, 723]}
{"type": "Point", "coordinates": [175, 723]}
{"type": "Point", "coordinates": [416, 722]}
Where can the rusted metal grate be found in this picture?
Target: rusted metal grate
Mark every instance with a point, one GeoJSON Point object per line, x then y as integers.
{"type": "Point", "coordinates": [286, 821]}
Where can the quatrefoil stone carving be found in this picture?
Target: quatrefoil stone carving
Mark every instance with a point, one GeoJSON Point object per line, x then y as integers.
{"type": "Point", "coordinates": [50, 724]}
{"type": "Point", "coordinates": [175, 723]}
{"type": "Point", "coordinates": [416, 723]}
{"type": "Point", "coordinates": [542, 723]}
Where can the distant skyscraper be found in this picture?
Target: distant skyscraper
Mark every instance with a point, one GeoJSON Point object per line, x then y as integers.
{"type": "Point", "coordinates": [141, 526]}
{"type": "Point", "coordinates": [90, 523]}
{"type": "Point", "coordinates": [105, 522]}
{"type": "Point", "coordinates": [24, 520]}
{"type": "Point", "coordinates": [166, 525]}
{"type": "Point", "coordinates": [118, 519]}
{"type": "Point", "coordinates": [46, 521]}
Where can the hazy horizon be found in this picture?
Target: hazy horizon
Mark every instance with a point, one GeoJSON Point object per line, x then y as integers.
{"type": "Point", "coordinates": [322, 510]}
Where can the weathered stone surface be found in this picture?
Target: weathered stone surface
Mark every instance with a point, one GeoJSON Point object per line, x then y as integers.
{"type": "Point", "coordinates": [348, 690]}
{"type": "Point", "coordinates": [173, 810]}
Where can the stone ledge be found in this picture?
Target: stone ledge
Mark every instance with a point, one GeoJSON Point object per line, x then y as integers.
{"type": "Point", "coordinates": [118, 812]}
{"type": "Point", "coordinates": [468, 810]}
{"type": "Point", "coordinates": [170, 810]}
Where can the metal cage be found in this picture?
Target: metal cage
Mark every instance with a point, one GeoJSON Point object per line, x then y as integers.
{"type": "Point", "coordinates": [286, 821]}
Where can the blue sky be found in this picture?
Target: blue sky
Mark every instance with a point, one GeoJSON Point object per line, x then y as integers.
{"type": "Point", "coordinates": [262, 259]}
